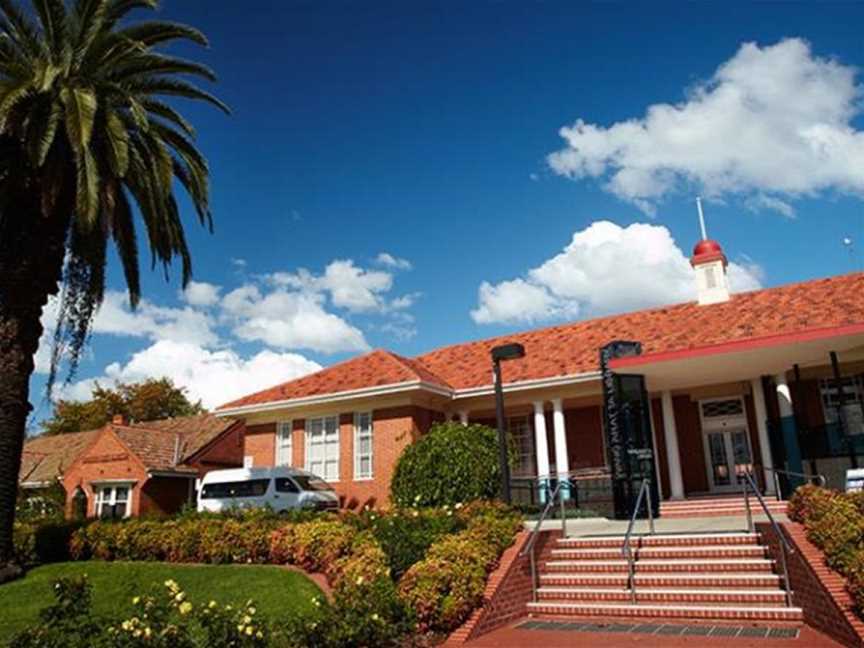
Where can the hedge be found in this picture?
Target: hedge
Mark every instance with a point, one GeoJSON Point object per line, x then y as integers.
{"type": "Point", "coordinates": [452, 463]}
{"type": "Point", "coordinates": [834, 522]}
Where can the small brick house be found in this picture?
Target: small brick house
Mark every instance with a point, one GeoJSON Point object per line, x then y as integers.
{"type": "Point", "coordinates": [130, 469]}
{"type": "Point", "coordinates": [767, 380]}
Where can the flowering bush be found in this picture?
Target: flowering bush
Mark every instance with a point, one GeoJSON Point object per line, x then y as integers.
{"type": "Point", "coordinates": [448, 584]}
{"type": "Point", "coordinates": [229, 539]}
{"type": "Point", "coordinates": [163, 619]}
{"type": "Point", "coordinates": [406, 534]}
{"type": "Point", "coordinates": [834, 522]}
{"type": "Point", "coordinates": [450, 464]}
{"type": "Point", "coordinates": [311, 545]}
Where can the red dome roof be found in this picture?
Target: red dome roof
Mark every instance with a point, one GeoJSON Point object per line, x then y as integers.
{"type": "Point", "coordinates": [707, 246]}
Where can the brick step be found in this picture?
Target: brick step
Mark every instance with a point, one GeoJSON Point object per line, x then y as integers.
{"type": "Point", "coordinates": [670, 611]}
{"type": "Point", "coordinates": [662, 540]}
{"type": "Point", "coordinates": [679, 552]}
{"type": "Point", "coordinates": [755, 597]}
{"type": "Point", "coordinates": [642, 566]}
{"type": "Point", "coordinates": [680, 580]}
{"type": "Point", "coordinates": [717, 507]}
{"type": "Point", "coordinates": [712, 513]}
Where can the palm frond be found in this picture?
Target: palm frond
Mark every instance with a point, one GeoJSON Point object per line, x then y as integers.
{"type": "Point", "coordinates": [177, 88]}
{"type": "Point", "coordinates": [81, 107]}
{"type": "Point", "coordinates": [166, 112]}
{"type": "Point", "coordinates": [123, 232]}
{"type": "Point", "coordinates": [52, 16]}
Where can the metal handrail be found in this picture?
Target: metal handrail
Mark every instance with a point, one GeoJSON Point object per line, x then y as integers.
{"type": "Point", "coordinates": [626, 549]}
{"type": "Point", "coordinates": [776, 472]}
{"type": "Point", "coordinates": [785, 548]}
{"type": "Point", "coordinates": [535, 532]}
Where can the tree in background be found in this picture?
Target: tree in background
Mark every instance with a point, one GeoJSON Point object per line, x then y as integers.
{"type": "Point", "coordinates": [90, 152]}
{"type": "Point", "coordinates": [149, 400]}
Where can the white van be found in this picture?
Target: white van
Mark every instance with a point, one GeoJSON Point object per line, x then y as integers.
{"type": "Point", "coordinates": [282, 489]}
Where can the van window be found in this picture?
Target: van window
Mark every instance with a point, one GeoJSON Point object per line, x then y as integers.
{"type": "Point", "coordinates": [285, 485]}
{"type": "Point", "coordinates": [312, 483]}
{"type": "Point", "coordinates": [225, 490]}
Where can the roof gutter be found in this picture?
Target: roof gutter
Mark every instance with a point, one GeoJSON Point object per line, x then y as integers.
{"type": "Point", "coordinates": [523, 385]}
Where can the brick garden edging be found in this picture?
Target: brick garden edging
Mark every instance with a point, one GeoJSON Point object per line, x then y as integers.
{"type": "Point", "coordinates": [508, 591]}
{"type": "Point", "coordinates": [817, 589]}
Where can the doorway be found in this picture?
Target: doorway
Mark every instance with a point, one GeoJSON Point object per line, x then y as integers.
{"type": "Point", "coordinates": [726, 441]}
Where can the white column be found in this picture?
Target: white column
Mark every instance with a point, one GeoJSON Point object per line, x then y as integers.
{"type": "Point", "coordinates": [784, 396]}
{"type": "Point", "coordinates": [463, 417]}
{"type": "Point", "coordinates": [541, 447]}
{"type": "Point", "coordinates": [562, 462]}
{"type": "Point", "coordinates": [762, 428]}
{"type": "Point", "coordinates": [670, 434]}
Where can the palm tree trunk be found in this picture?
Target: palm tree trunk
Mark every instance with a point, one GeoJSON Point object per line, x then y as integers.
{"type": "Point", "coordinates": [31, 265]}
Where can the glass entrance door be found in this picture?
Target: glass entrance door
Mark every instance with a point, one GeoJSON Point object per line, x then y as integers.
{"type": "Point", "coordinates": [728, 456]}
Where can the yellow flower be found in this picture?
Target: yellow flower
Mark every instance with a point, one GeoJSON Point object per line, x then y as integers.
{"type": "Point", "coordinates": [239, 628]}
{"type": "Point", "coordinates": [458, 505]}
{"type": "Point", "coordinates": [135, 600]}
{"type": "Point", "coordinates": [247, 619]}
{"type": "Point", "coordinates": [249, 630]}
{"type": "Point", "coordinates": [147, 633]}
{"type": "Point", "coordinates": [251, 610]}
{"type": "Point", "coordinates": [211, 604]}
{"type": "Point", "coordinates": [179, 596]}
{"type": "Point", "coordinates": [359, 580]}
{"type": "Point", "coordinates": [126, 625]}
{"type": "Point", "coordinates": [185, 607]}
{"type": "Point", "coordinates": [259, 634]}
{"type": "Point", "coordinates": [375, 617]}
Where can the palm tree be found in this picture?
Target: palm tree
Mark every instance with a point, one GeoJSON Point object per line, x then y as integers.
{"type": "Point", "coordinates": [87, 141]}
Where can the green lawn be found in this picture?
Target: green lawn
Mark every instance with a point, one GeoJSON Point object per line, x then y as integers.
{"type": "Point", "coordinates": [274, 590]}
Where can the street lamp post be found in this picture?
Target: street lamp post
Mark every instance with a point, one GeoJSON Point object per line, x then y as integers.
{"type": "Point", "coordinates": [503, 352]}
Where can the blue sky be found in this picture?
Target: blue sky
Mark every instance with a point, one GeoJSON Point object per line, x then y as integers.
{"type": "Point", "coordinates": [424, 131]}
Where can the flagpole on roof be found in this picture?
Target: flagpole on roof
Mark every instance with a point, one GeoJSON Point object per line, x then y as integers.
{"type": "Point", "coordinates": [701, 218]}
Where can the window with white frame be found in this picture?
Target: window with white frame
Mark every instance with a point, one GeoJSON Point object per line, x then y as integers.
{"type": "Point", "coordinates": [284, 446]}
{"type": "Point", "coordinates": [322, 447]}
{"type": "Point", "coordinates": [522, 435]}
{"type": "Point", "coordinates": [852, 399]}
{"type": "Point", "coordinates": [363, 445]}
{"type": "Point", "coordinates": [112, 501]}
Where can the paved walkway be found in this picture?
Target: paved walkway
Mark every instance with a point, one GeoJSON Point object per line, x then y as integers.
{"type": "Point", "coordinates": [513, 637]}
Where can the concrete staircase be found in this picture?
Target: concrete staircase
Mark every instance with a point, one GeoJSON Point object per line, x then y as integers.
{"type": "Point", "coordinates": [710, 577]}
{"type": "Point", "coordinates": [717, 506]}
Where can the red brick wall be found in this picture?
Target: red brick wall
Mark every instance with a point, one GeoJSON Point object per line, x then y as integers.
{"type": "Point", "coordinates": [818, 590]}
{"type": "Point", "coordinates": [690, 447]}
{"type": "Point", "coordinates": [508, 590]}
{"type": "Point", "coordinates": [584, 437]}
{"type": "Point", "coordinates": [106, 459]}
{"type": "Point", "coordinates": [260, 444]}
{"type": "Point", "coordinates": [225, 452]}
{"type": "Point", "coordinates": [392, 430]}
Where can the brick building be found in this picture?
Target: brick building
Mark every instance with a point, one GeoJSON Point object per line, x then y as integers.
{"type": "Point", "coordinates": [122, 469]}
{"type": "Point", "coordinates": [766, 380]}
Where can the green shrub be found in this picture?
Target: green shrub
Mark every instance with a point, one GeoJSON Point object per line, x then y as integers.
{"type": "Point", "coordinates": [838, 531]}
{"type": "Point", "coordinates": [448, 584]}
{"type": "Point", "coordinates": [809, 502]}
{"type": "Point", "coordinates": [406, 534]}
{"type": "Point", "coordinates": [39, 543]}
{"type": "Point", "coordinates": [312, 545]}
{"type": "Point", "coordinates": [452, 463]}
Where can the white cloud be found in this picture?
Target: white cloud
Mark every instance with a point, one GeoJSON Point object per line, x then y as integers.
{"type": "Point", "coordinates": [606, 268]}
{"type": "Point", "coordinates": [286, 319]}
{"type": "Point", "coordinates": [760, 201]}
{"type": "Point", "coordinates": [152, 321]}
{"type": "Point", "coordinates": [775, 122]}
{"type": "Point", "coordinates": [390, 261]}
{"type": "Point", "coordinates": [201, 293]}
{"type": "Point", "coordinates": [215, 377]}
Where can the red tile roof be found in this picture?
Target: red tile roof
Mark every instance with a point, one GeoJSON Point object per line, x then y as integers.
{"type": "Point", "coordinates": [160, 445]}
{"type": "Point", "coordinates": [46, 457]}
{"type": "Point", "coordinates": [373, 369]}
{"type": "Point", "coordinates": [573, 348]}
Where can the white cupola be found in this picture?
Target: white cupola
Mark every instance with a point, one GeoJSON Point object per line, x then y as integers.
{"type": "Point", "coordinates": [709, 262]}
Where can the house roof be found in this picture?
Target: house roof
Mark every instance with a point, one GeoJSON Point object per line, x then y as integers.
{"type": "Point", "coordinates": [46, 457]}
{"type": "Point", "coordinates": [573, 348]}
{"type": "Point", "coordinates": [374, 369]}
{"type": "Point", "coordinates": [160, 445]}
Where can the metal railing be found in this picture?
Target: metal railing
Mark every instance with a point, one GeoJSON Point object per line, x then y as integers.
{"type": "Point", "coordinates": [818, 478]}
{"type": "Point", "coordinates": [535, 532]}
{"type": "Point", "coordinates": [626, 549]}
{"type": "Point", "coordinates": [749, 484]}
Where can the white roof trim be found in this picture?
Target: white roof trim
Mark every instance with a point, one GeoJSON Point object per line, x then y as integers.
{"type": "Point", "coordinates": [399, 388]}
{"type": "Point", "coordinates": [537, 383]}
{"type": "Point", "coordinates": [377, 390]}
